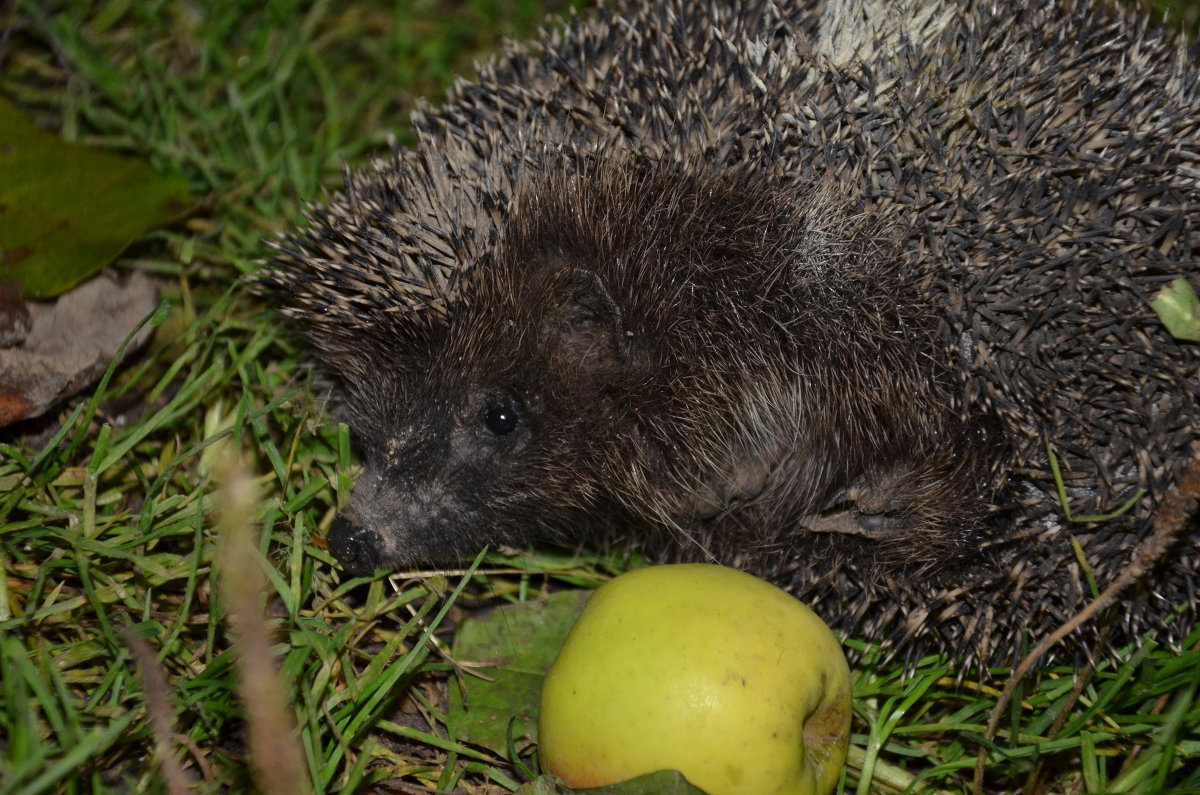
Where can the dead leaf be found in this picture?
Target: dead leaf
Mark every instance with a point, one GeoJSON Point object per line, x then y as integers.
{"type": "Point", "coordinates": [70, 342]}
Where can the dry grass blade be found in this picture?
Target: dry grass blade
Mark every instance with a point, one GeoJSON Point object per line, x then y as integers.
{"type": "Point", "coordinates": [158, 706]}
{"type": "Point", "coordinates": [274, 749]}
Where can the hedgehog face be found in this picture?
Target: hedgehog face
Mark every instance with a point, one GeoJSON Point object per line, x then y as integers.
{"type": "Point", "coordinates": [468, 460]}
{"type": "Point", "coordinates": [431, 484]}
{"type": "Point", "coordinates": [546, 400]}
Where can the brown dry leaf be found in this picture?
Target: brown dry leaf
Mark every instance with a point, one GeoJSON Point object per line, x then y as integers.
{"type": "Point", "coordinates": [70, 341]}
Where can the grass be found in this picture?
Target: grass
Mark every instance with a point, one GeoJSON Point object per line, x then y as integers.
{"type": "Point", "coordinates": [129, 559]}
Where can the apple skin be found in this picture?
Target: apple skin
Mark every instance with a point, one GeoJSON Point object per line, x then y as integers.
{"type": "Point", "coordinates": [702, 669]}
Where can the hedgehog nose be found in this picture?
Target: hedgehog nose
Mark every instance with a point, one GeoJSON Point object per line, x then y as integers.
{"type": "Point", "coordinates": [354, 547]}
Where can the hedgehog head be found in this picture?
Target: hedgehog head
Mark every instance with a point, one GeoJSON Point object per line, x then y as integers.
{"type": "Point", "coordinates": [482, 442]}
{"type": "Point", "coordinates": [528, 390]}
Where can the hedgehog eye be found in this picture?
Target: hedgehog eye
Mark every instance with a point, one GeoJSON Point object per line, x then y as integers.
{"type": "Point", "coordinates": [501, 417]}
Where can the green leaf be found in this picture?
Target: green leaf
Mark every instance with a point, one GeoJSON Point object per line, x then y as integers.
{"type": "Point", "coordinates": [1179, 310]}
{"type": "Point", "coordinates": [66, 211]}
{"type": "Point", "coordinates": [664, 782]}
{"type": "Point", "coordinates": [508, 652]}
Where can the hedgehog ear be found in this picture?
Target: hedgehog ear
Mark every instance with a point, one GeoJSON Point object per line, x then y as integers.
{"type": "Point", "coordinates": [583, 329]}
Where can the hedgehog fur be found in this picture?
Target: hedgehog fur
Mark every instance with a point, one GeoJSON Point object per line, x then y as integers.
{"type": "Point", "coordinates": [810, 289]}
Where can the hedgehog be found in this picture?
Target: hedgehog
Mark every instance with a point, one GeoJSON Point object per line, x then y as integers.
{"type": "Point", "coordinates": [824, 291]}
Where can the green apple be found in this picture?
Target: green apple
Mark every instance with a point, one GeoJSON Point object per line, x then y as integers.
{"type": "Point", "coordinates": [701, 669]}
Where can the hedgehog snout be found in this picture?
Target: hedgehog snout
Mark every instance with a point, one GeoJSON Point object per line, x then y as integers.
{"type": "Point", "coordinates": [354, 546]}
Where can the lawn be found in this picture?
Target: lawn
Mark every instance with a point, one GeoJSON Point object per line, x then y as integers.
{"type": "Point", "coordinates": [141, 523]}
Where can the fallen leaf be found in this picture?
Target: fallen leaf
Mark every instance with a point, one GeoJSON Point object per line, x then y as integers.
{"type": "Point", "coordinates": [509, 651]}
{"type": "Point", "coordinates": [1179, 310]}
{"type": "Point", "coordinates": [664, 782]}
{"type": "Point", "coordinates": [71, 341]}
{"type": "Point", "coordinates": [67, 210]}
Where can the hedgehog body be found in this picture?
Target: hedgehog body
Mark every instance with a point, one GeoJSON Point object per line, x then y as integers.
{"type": "Point", "coordinates": [800, 288]}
